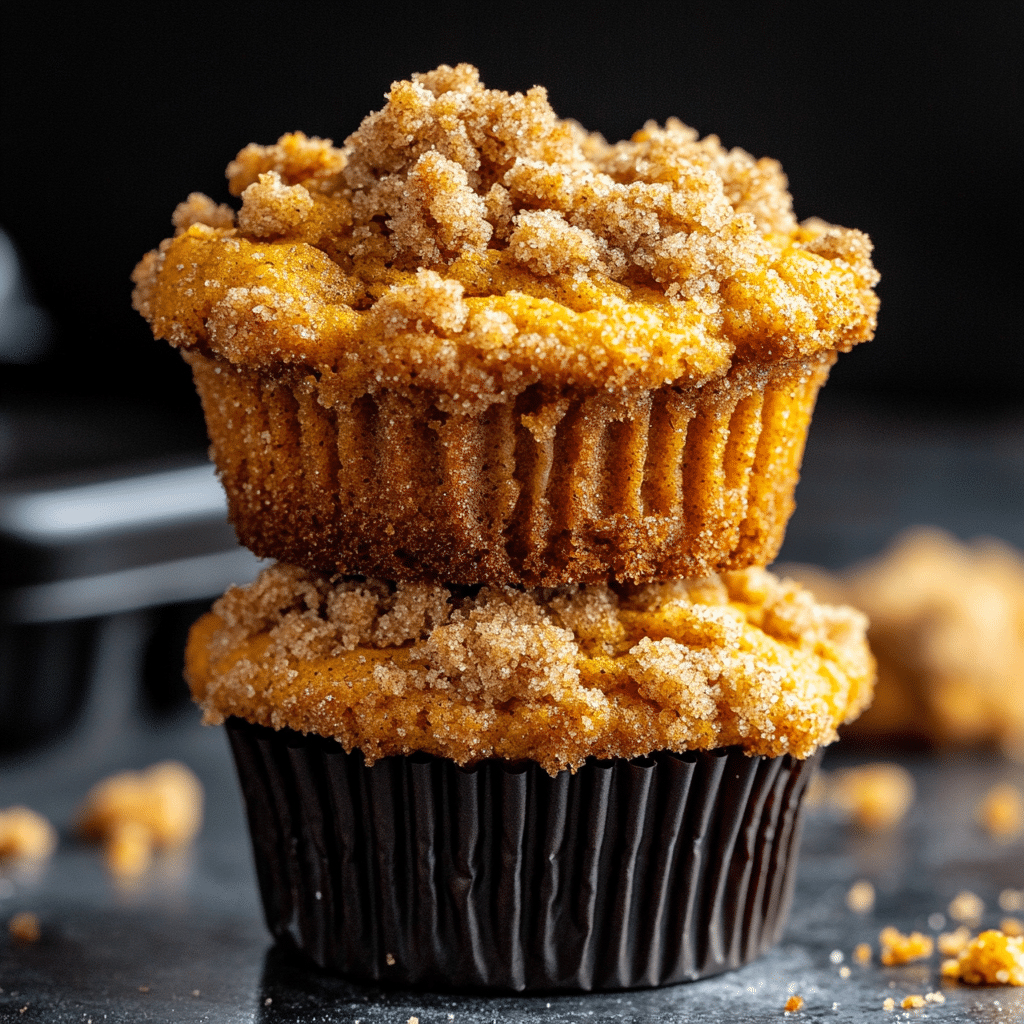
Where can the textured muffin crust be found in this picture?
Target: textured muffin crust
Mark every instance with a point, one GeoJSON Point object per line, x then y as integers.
{"type": "Point", "coordinates": [469, 241]}
{"type": "Point", "coordinates": [552, 675]}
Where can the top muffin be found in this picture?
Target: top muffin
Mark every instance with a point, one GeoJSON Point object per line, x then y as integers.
{"type": "Point", "coordinates": [468, 249]}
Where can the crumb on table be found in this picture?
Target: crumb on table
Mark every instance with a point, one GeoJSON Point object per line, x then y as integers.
{"type": "Point", "coordinates": [794, 1003]}
{"type": "Point", "coordinates": [967, 907]}
{"type": "Point", "coordinates": [25, 835]}
{"type": "Point", "coordinates": [992, 958]}
{"type": "Point", "coordinates": [862, 953]}
{"type": "Point", "coordinates": [135, 813]}
{"type": "Point", "coordinates": [24, 928]}
{"type": "Point", "coordinates": [1001, 812]}
{"type": "Point", "coordinates": [874, 796]}
{"type": "Point", "coordinates": [898, 948]}
{"type": "Point", "coordinates": [861, 897]}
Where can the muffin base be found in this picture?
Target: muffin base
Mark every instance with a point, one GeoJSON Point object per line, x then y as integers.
{"type": "Point", "coordinates": [626, 874]}
{"type": "Point", "coordinates": [540, 490]}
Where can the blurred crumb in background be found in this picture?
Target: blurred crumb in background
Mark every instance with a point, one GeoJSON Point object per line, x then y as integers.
{"type": "Point", "coordinates": [947, 628]}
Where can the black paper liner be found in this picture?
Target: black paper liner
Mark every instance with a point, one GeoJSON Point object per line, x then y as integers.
{"type": "Point", "coordinates": [626, 874]}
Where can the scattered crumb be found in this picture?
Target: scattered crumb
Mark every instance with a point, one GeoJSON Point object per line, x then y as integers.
{"type": "Point", "coordinates": [861, 897]}
{"type": "Point", "coordinates": [1012, 926]}
{"type": "Point", "coordinates": [934, 997]}
{"type": "Point", "coordinates": [143, 988]}
{"type": "Point", "coordinates": [390, 958]}
{"type": "Point", "coordinates": [898, 948]}
{"type": "Point", "coordinates": [25, 835]}
{"type": "Point", "coordinates": [862, 953]}
{"type": "Point", "coordinates": [836, 956]}
{"type": "Point", "coordinates": [1011, 900]}
{"type": "Point", "coordinates": [794, 1003]}
{"type": "Point", "coordinates": [1001, 812]}
{"type": "Point", "coordinates": [413, 1020]}
{"type": "Point", "coordinates": [267, 1001]}
{"type": "Point", "coordinates": [844, 971]}
{"type": "Point", "coordinates": [24, 928]}
{"type": "Point", "coordinates": [135, 813]}
{"type": "Point", "coordinates": [913, 1002]}
{"type": "Point", "coordinates": [875, 796]}
{"type": "Point", "coordinates": [990, 959]}
{"type": "Point", "coordinates": [889, 1003]}
{"type": "Point", "coordinates": [954, 943]}
{"type": "Point", "coordinates": [967, 907]}
{"type": "Point", "coordinates": [195, 992]}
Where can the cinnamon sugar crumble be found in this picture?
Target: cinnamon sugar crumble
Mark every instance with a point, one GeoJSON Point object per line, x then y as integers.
{"type": "Point", "coordinates": [644, 262]}
{"type": "Point", "coordinates": [555, 675]}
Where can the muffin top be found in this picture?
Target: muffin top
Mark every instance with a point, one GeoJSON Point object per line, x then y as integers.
{"type": "Point", "coordinates": [470, 241]}
{"type": "Point", "coordinates": [552, 675]}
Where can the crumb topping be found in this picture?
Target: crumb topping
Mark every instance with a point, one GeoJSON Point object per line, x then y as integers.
{"type": "Point", "coordinates": [658, 259]}
{"type": "Point", "coordinates": [555, 675]}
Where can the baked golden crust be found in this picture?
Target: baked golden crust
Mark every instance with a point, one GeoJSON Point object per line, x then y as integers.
{"type": "Point", "coordinates": [469, 241]}
{"type": "Point", "coordinates": [553, 675]}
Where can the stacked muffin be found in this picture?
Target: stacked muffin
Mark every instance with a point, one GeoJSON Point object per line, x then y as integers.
{"type": "Point", "coordinates": [520, 413]}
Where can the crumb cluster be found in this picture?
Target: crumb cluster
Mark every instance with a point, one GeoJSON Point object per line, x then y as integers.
{"type": "Point", "coordinates": [25, 835]}
{"type": "Point", "coordinates": [947, 627]}
{"type": "Point", "coordinates": [874, 796]}
{"type": "Point", "coordinates": [898, 948]}
{"type": "Point", "coordinates": [469, 240]}
{"type": "Point", "coordinates": [135, 813]}
{"type": "Point", "coordinates": [991, 958]}
{"type": "Point", "coordinates": [555, 675]}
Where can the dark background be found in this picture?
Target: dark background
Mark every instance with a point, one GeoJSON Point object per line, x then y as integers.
{"type": "Point", "coordinates": [904, 124]}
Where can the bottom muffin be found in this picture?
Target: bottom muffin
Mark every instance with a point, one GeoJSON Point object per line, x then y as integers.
{"type": "Point", "coordinates": [580, 788]}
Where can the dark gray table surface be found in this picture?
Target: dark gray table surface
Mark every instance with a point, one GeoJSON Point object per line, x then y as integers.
{"type": "Point", "coordinates": [187, 942]}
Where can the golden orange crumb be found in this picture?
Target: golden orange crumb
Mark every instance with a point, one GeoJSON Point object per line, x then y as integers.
{"type": "Point", "coordinates": [862, 953]}
{"type": "Point", "coordinates": [874, 796]}
{"type": "Point", "coordinates": [413, 1020]}
{"type": "Point", "coordinates": [934, 997]}
{"type": "Point", "coordinates": [889, 1003]}
{"type": "Point", "coordinates": [24, 928]}
{"type": "Point", "coordinates": [898, 948]}
{"type": "Point", "coordinates": [913, 1002]}
{"type": "Point", "coordinates": [1001, 812]}
{"type": "Point", "coordinates": [25, 835]}
{"type": "Point", "coordinates": [136, 813]}
{"type": "Point", "coordinates": [861, 897]}
{"type": "Point", "coordinates": [945, 628]}
{"type": "Point", "coordinates": [954, 943]}
{"type": "Point", "coordinates": [992, 958]}
{"type": "Point", "coordinates": [1012, 926]}
{"type": "Point", "coordinates": [1011, 900]}
{"type": "Point", "coordinates": [967, 907]}
{"type": "Point", "coordinates": [794, 1003]}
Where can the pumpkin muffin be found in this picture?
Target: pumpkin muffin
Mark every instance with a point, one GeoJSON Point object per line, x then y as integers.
{"type": "Point", "coordinates": [478, 344]}
{"type": "Point", "coordinates": [583, 787]}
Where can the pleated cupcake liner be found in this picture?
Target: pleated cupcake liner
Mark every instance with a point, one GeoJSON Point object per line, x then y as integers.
{"type": "Point", "coordinates": [545, 489]}
{"type": "Point", "coordinates": [626, 874]}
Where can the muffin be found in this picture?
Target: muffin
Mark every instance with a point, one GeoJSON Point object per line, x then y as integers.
{"type": "Point", "coordinates": [480, 345]}
{"type": "Point", "coordinates": [584, 787]}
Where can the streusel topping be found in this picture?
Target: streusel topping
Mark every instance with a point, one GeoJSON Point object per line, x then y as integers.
{"type": "Point", "coordinates": [554, 675]}
{"type": "Point", "coordinates": [468, 239]}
